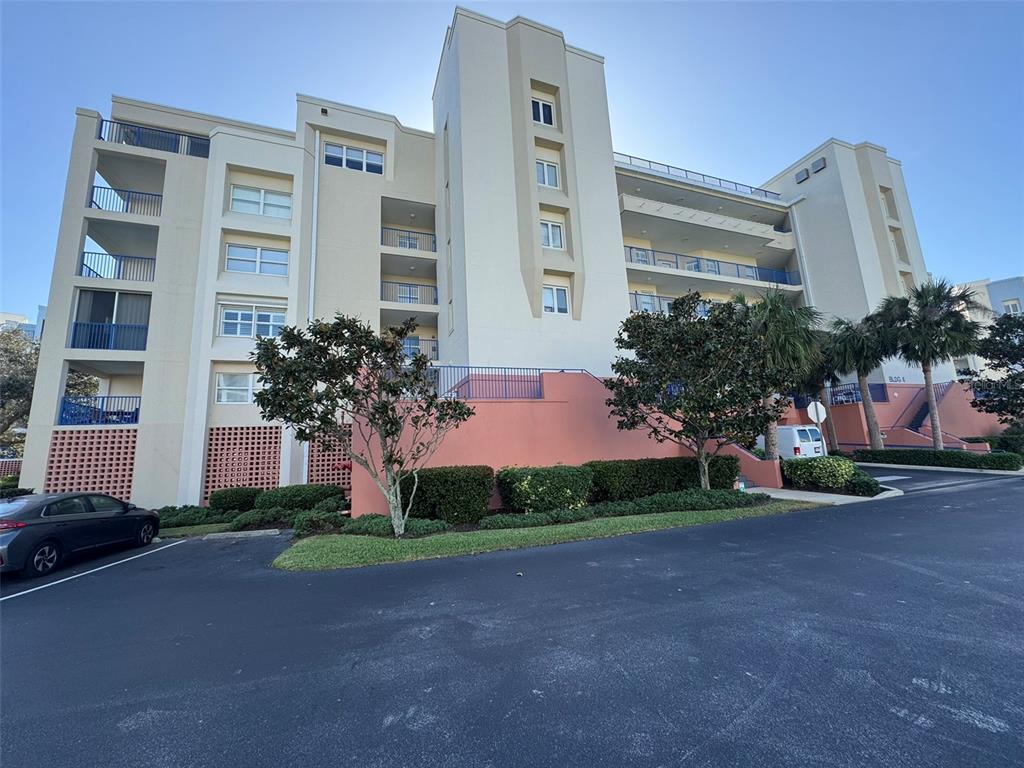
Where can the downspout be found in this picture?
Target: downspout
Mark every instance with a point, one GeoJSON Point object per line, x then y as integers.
{"type": "Point", "coordinates": [312, 269]}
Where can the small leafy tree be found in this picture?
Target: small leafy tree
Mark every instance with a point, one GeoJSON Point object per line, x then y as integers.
{"type": "Point", "coordinates": [1003, 392]}
{"type": "Point", "coordinates": [860, 348]}
{"type": "Point", "coordinates": [695, 381]}
{"type": "Point", "coordinates": [928, 326]}
{"type": "Point", "coordinates": [318, 378]}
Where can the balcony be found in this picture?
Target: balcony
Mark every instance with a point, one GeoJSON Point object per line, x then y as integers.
{"type": "Point", "coordinates": [649, 302]}
{"type": "Point", "coordinates": [109, 266]}
{"type": "Point", "coordinates": [408, 293]}
{"type": "Point", "coordinates": [125, 201]}
{"type": "Point", "coordinates": [109, 409]}
{"type": "Point", "coordinates": [426, 347]}
{"type": "Point", "coordinates": [390, 237]}
{"type": "Point", "coordinates": [120, 336]}
{"type": "Point", "coordinates": [704, 179]}
{"type": "Point", "coordinates": [712, 267]}
{"type": "Point", "coordinates": [153, 138]}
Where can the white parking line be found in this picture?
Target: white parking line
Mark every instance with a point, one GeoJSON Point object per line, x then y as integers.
{"type": "Point", "coordinates": [885, 478]}
{"type": "Point", "coordinates": [86, 573]}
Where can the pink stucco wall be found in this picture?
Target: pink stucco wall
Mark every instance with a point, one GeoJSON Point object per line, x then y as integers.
{"type": "Point", "coordinates": [569, 425]}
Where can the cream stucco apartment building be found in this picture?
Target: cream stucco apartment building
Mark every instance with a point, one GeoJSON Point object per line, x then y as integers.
{"type": "Point", "coordinates": [514, 234]}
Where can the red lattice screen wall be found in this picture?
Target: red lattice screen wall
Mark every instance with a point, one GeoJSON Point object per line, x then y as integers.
{"type": "Point", "coordinates": [325, 465]}
{"type": "Point", "coordinates": [101, 460]}
{"type": "Point", "coordinates": [242, 456]}
{"type": "Point", "coordinates": [10, 467]}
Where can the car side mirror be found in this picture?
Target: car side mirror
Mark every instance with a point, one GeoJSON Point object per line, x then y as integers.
{"type": "Point", "coordinates": [130, 507]}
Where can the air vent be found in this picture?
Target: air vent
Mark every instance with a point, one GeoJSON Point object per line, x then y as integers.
{"type": "Point", "coordinates": [818, 165]}
{"type": "Point", "coordinates": [802, 175]}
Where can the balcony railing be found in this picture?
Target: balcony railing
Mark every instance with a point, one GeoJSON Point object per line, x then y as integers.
{"type": "Point", "coordinates": [153, 138]}
{"type": "Point", "coordinates": [126, 201]}
{"type": "Point", "coordinates": [648, 302]}
{"type": "Point", "coordinates": [112, 267]}
{"type": "Point", "coordinates": [126, 336]}
{"type": "Point", "coordinates": [704, 266]}
{"type": "Point", "coordinates": [404, 238]}
{"type": "Point", "coordinates": [105, 409]}
{"type": "Point", "coordinates": [427, 347]}
{"type": "Point", "coordinates": [408, 293]}
{"type": "Point", "coordinates": [847, 394]}
{"type": "Point", "coordinates": [700, 178]}
{"type": "Point", "coordinates": [483, 383]}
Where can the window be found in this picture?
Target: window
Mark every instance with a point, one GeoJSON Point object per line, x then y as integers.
{"type": "Point", "coordinates": [73, 506]}
{"type": "Point", "coordinates": [354, 158]}
{"type": "Point", "coordinates": [411, 345]}
{"type": "Point", "coordinates": [1011, 307]}
{"type": "Point", "coordinates": [261, 202]}
{"type": "Point", "coordinates": [547, 174]}
{"type": "Point", "coordinates": [106, 505]}
{"type": "Point", "coordinates": [551, 235]}
{"type": "Point", "coordinates": [543, 112]}
{"type": "Point", "coordinates": [408, 293]}
{"type": "Point", "coordinates": [248, 321]}
{"type": "Point", "coordinates": [237, 388]}
{"type": "Point", "coordinates": [556, 299]}
{"type": "Point", "coordinates": [256, 260]}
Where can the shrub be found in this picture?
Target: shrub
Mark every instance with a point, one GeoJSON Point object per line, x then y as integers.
{"type": "Point", "coordinates": [242, 499]}
{"type": "Point", "coordinates": [828, 472]}
{"type": "Point", "coordinates": [297, 496]}
{"type": "Point", "coordinates": [539, 489]}
{"type": "Point", "coordinates": [257, 519]}
{"type": "Point", "coordinates": [9, 481]}
{"type": "Point", "coordinates": [333, 504]}
{"type": "Point", "coordinates": [10, 493]}
{"type": "Point", "coordinates": [636, 478]}
{"type": "Point", "coordinates": [523, 520]}
{"type": "Point", "coordinates": [315, 522]}
{"type": "Point", "coordinates": [577, 515]}
{"type": "Point", "coordinates": [453, 494]}
{"type": "Point", "coordinates": [176, 517]}
{"type": "Point", "coordinates": [380, 525]}
{"type": "Point", "coordinates": [862, 484]}
{"type": "Point", "coordinates": [929, 458]}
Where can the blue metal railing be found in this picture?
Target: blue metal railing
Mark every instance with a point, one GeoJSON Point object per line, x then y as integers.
{"type": "Point", "coordinates": [408, 293]}
{"type": "Point", "coordinates": [113, 267]}
{"type": "Point", "coordinates": [427, 347]}
{"type": "Point", "coordinates": [108, 336]}
{"type": "Point", "coordinates": [153, 138]}
{"type": "Point", "coordinates": [701, 178]}
{"type": "Point", "coordinates": [470, 382]}
{"type": "Point", "coordinates": [648, 302]}
{"type": "Point", "coordinates": [126, 201]}
{"type": "Point", "coordinates": [845, 394]}
{"type": "Point", "coordinates": [104, 409]}
{"type": "Point", "coordinates": [404, 238]}
{"type": "Point", "coordinates": [652, 258]}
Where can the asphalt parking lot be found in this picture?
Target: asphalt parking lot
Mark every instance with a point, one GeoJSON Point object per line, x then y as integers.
{"type": "Point", "coordinates": [884, 633]}
{"type": "Point", "coordinates": [917, 480]}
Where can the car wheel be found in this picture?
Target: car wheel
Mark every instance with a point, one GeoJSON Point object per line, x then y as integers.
{"type": "Point", "coordinates": [145, 535]}
{"type": "Point", "coordinates": [43, 559]}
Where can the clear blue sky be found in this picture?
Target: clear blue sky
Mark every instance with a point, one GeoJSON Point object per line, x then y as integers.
{"type": "Point", "coordinates": [739, 90]}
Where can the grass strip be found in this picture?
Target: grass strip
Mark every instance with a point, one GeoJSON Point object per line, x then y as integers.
{"type": "Point", "coordinates": [320, 553]}
{"type": "Point", "coordinates": [193, 530]}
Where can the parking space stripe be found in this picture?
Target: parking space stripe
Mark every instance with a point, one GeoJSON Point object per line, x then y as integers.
{"type": "Point", "coordinates": [92, 570]}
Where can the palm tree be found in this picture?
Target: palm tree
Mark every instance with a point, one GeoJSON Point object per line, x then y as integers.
{"type": "Point", "coordinates": [929, 326]}
{"type": "Point", "coordinates": [788, 330]}
{"type": "Point", "coordinates": [859, 348]}
{"type": "Point", "coordinates": [820, 376]}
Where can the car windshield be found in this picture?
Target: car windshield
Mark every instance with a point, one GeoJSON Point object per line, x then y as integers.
{"type": "Point", "coordinates": [13, 506]}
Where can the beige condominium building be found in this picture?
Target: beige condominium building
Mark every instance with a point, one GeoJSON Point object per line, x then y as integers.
{"type": "Point", "coordinates": [513, 233]}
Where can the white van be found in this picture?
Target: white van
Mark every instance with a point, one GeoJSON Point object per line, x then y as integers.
{"type": "Point", "coordinates": [798, 442]}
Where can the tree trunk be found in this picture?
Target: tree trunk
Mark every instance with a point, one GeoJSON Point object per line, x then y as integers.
{"type": "Point", "coordinates": [394, 497]}
{"type": "Point", "coordinates": [771, 437]}
{"type": "Point", "coordinates": [702, 465]}
{"type": "Point", "coordinates": [874, 433]}
{"type": "Point", "coordinates": [933, 408]}
{"type": "Point", "coordinates": [830, 425]}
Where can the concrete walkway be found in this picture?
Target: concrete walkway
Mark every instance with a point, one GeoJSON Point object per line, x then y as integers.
{"type": "Point", "coordinates": [790, 494]}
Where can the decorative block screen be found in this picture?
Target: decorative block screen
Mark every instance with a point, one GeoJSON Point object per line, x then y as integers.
{"type": "Point", "coordinates": [101, 460]}
{"type": "Point", "coordinates": [325, 465]}
{"type": "Point", "coordinates": [242, 456]}
{"type": "Point", "coordinates": [10, 467]}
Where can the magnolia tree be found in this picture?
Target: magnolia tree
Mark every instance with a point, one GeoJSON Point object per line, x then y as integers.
{"type": "Point", "coordinates": [695, 377]}
{"type": "Point", "coordinates": [318, 379]}
{"type": "Point", "coordinates": [1001, 389]}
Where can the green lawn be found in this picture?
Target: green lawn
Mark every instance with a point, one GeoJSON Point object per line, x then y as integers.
{"type": "Point", "coordinates": [192, 530]}
{"type": "Point", "coordinates": [320, 553]}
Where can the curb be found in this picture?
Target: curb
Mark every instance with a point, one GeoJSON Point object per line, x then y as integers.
{"type": "Point", "coordinates": [966, 470]}
{"type": "Point", "coordinates": [242, 534]}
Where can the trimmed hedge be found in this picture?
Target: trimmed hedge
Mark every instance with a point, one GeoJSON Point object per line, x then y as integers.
{"type": "Point", "coordinates": [10, 493]}
{"type": "Point", "coordinates": [692, 500]}
{"type": "Point", "coordinates": [9, 481]}
{"type": "Point", "coordinates": [257, 519]}
{"type": "Point", "coordinates": [176, 517]}
{"type": "Point", "coordinates": [540, 489]}
{"type": "Point", "coordinates": [455, 495]}
{"type": "Point", "coordinates": [240, 498]}
{"type": "Point", "coordinates": [315, 522]}
{"type": "Point", "coordinates": [1010, 441]}
{"type": "Point", "coordinates": [928, 458]}
{"type": "Point", "coordinates": [862, 484]}
{"type": "Point", "coordinates": [380, 525]}
{"type": "Point", "coordinates": [333, 504]}
{"type": "Point", "coordinates": [829, 472]}
{"type": "Point", "coordinates": [297, 496]}
{"type": "Point", "coordinates": [636, 478]}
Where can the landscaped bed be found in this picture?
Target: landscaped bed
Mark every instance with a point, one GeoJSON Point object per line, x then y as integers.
{"type": "Point", "coordinates": [346, 551]}
{"type": "Point", "coordinates": [182, 531]}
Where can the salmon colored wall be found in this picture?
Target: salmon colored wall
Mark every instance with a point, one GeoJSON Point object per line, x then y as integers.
{"type": "Point", "coordinates": [958, 417]}
{"type": "Point", "coordinates": [570, 425]}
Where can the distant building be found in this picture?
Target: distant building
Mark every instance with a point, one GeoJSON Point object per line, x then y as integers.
{"type": "Point", "coordinates": [996, 297]}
